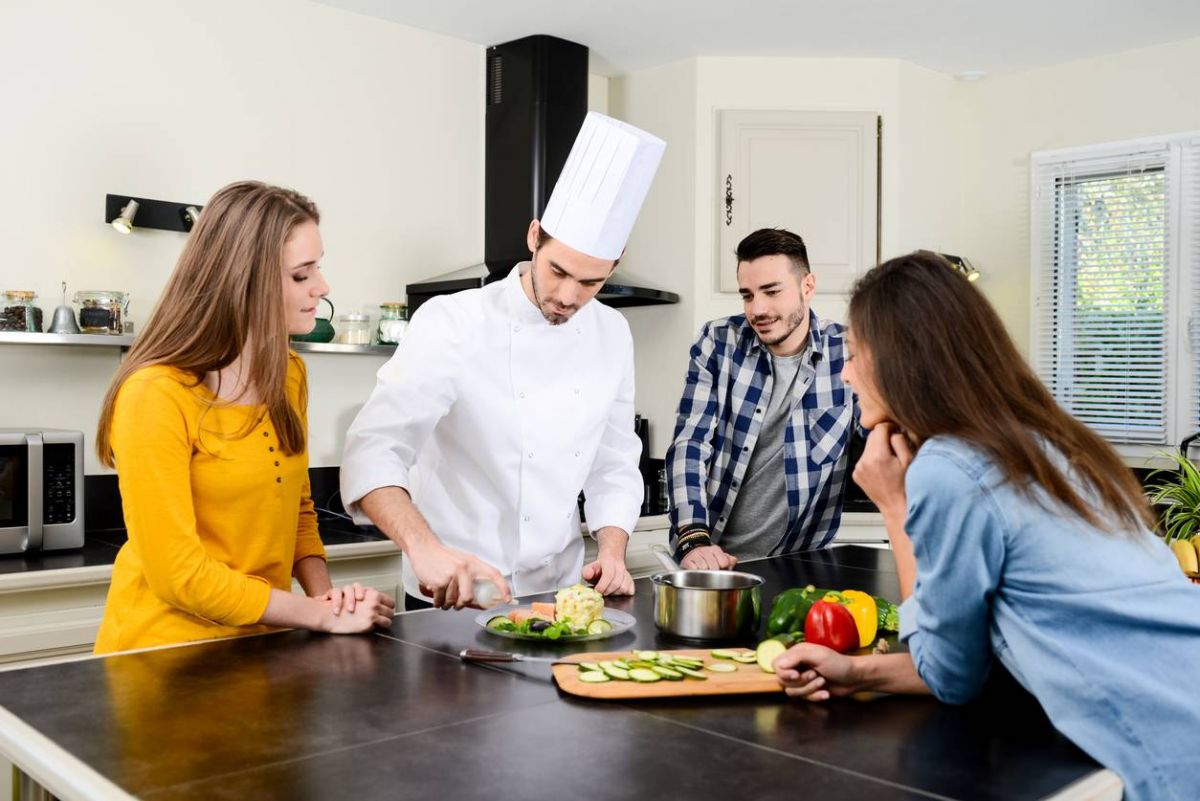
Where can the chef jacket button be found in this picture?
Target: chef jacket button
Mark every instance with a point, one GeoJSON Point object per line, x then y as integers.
{"type": "Point", "coordinates": [271, 449]}
{"type": "Point", "coordinates": [516, 328]}
{"type": "Point", "coordinates": [525, 518]}
{"type": "Point", "coordinates": [576, 454]}
{"type": "Point", "coordinates": [758, 410]}
{"type": "Point", "coordinates": [278, 480]}
{"type": "Point", "coordinates": [277, 465]}
{"type": "Point", "coordinates": [531, 454]}
{"type": "Point", "coordinates": [745, 448]}
{"type": "Point", "coordinates": [265, 434]}
{"type": "Point", "coordinates": [576, 390]}
{"type": "Point", "coordinates": [522, 394]}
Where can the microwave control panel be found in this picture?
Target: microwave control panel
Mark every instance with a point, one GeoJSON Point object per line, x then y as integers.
{"type": "Point", "coordinates": [58, 491]}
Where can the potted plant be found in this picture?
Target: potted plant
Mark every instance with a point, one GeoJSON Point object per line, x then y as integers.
{"type": "Point", "coordinates": [1175, 493]}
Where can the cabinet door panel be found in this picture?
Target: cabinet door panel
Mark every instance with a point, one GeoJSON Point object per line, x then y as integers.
{"type": "Point", "coordinates": [814, 173]}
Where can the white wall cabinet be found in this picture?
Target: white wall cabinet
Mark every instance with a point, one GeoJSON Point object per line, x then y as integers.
{"type": "Point", "coordinates": [815, 173]}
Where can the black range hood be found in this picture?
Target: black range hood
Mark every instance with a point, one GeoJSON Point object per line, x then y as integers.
{"type": "Point", "coordinates": [536, 102]}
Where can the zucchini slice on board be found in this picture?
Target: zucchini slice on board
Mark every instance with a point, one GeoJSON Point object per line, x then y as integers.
{"type": "Point", "coordinates": [768, 651]}
{"type": "Point", "coordinates": [722, 667]}
{"type": "Point", "coordinates": [644, 675]}
{"type": "Point", "coordinates": [593, 676]}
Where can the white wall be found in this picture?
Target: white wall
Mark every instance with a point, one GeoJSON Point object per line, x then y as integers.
{"type": "Point", "coordinates": [661, 250]}
{"type": "Point", "coordinates": [380, 124]}
{"type": "Point", "coordinates": [1121, 96]}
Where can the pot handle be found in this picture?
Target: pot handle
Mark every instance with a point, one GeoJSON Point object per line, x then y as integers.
{"type": "Point", "coordinates": [663, 555]}
{"type": "Point", "coordinates": [332, 311]}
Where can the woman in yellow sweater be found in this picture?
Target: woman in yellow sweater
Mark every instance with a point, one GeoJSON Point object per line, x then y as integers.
{"type": "Point", "coordinates": [205, 424]}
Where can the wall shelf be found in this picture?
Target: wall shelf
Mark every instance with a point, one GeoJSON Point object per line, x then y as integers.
{"type": "Point", "coordinates": [125, 340]}
{"type": "Point", "coordinates": [104, 340]}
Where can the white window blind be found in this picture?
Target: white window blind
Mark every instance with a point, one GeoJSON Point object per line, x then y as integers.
{"type": "Point", "coordinates": [1110, 249]}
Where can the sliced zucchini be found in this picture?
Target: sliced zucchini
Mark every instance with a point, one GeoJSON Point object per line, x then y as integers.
{"type": "Point", "coordinates": [621, 663]}
{"type": "Point", "coordinates": [723, 653]}
{"type": "Point", "coordinates": [668, 673]}
{"type": "Point", "coordinates": [616, 672]}
{"type": "Point", "coordinates": [722, 667]}
{"type": "Point", "coordinates": [746, 658]}
{"type": "Point", "coordinates": [499, 623]}
{"type": "Point", "coordinates": [606, 664]}
{"type": "Point", "coordinates": [692, 674]}
{"type": "Point", "coordinates": [644, 675]}
{"type": "Point", "coordinates": [646, 656]}
{"type": "Point", "coordinates": [593, 676]}
{"type": "Point", "coordinates": [599, 626]}
{"type": "Point", "coordinates": [767, 651]}
{"type": "Point", "coordinates": [639, 664]}
{"type": "Point", "coordinates": [585, 666]}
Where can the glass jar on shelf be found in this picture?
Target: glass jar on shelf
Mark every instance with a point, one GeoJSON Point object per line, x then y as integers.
{"type": "Point", "coordinates": [17, 312]}
{"type": "Point", "coordinates": [393, 321]}
{"type": "Point", "coordinates": [101, 311]}
{"type": "Point", "coordinates": [354, 328]}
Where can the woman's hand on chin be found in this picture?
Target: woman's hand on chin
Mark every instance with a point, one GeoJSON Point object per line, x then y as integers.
{"type": "Point", "coordinates": [880, 471]}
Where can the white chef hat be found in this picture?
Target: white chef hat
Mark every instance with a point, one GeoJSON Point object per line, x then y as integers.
{"type": "Point", "coordinates": [602, 185]}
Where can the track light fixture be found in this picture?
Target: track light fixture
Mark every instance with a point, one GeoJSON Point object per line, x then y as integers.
{"type": "Point", "coordinates": [119, 212]}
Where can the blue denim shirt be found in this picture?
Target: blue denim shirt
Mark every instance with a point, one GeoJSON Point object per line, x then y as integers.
{"type": "Point", "coordinates": [1103, 629]}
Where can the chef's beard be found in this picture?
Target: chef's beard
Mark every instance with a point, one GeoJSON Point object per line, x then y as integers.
{"type": "Point", "coordinates": [793, 322]}
{"type": "Point", "coordinates": [551, 317]}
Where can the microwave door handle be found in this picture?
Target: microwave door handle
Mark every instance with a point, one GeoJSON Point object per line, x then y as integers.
{"type": "Point", "coordinates": [37, 480]}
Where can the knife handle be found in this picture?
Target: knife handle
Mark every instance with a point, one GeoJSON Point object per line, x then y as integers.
{"type": "Point", "coordinates": [480, 655]}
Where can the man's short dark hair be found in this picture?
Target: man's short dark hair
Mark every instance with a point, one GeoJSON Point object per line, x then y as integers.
{"type": "Point", "coordinates": [774, 242]}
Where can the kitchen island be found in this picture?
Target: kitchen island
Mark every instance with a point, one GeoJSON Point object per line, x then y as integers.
{"type": "Point", "coordinates": [397, 715]}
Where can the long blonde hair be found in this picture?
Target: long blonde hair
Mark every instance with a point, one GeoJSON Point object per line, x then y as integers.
{"type": "Point", "coordinates": [226, 295]}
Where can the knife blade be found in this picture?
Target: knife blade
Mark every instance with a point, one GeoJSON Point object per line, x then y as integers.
{"type": "Point", "coordinates": [480, 655]}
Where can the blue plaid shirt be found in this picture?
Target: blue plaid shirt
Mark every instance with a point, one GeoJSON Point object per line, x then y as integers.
{"type": "Point", "coordinates": [720, 414]}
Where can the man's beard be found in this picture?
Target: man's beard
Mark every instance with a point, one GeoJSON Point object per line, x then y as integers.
{"type": "Point", "coordinates": [794, 320]}
{"type": "Point", "coordinates": [551, 317]}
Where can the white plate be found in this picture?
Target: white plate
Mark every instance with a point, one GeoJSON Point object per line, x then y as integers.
{"type": "Point", "coordinates": [621, 622]}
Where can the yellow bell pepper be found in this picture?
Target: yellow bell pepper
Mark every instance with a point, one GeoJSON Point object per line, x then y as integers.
{"type": "Point", "coordinates": [864, 611]}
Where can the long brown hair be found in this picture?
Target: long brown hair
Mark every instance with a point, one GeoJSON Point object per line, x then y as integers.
{"type": "Point", "coordinates": [943, 363]}
{"type": "Point", "coordinates": [224, 295]}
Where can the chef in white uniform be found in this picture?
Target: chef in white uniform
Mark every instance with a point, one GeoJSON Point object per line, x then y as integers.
{"type": "Point", "coordinates": [502, 403]}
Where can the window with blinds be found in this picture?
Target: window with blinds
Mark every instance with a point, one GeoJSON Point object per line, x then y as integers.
{"type": "Point", "coordinates": [1114, 233]}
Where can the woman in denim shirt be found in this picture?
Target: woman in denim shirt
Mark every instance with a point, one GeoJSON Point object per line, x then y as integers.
{"type": "Point", "coordinates": [1019, 535]}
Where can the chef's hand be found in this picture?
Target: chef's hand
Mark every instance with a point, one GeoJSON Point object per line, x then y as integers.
{"type": "Point", "coordinates": [344, 597]}
{"type": "Point", "coordinates": [708, 557]}
{"type": "Point", "coordinates": [609, 575]}
{"type": "Point", "coordinates": [448, 575]}
{"type": "Point", "coordinates": [373, 609]}
{"type": "Point", "coordinates": [880, 471]}
{"type": "Point", "coordinates": [816, 673]}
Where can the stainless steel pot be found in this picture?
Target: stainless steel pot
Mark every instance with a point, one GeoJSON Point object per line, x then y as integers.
{"type": "Point", "coordinates": [705, 604]}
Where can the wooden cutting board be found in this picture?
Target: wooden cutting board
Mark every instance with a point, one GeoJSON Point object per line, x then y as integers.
{"type": "Point", "coordinates": [746, 679]}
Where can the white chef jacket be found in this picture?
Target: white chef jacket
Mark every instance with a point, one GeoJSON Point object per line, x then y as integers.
{"type": "Point", "coordinates": [493, 420]}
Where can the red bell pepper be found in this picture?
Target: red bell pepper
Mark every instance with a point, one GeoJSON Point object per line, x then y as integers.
{"type": "Point", "coordinates": [831, 625]}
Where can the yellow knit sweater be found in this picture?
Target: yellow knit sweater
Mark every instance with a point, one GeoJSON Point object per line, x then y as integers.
{"type": "Point", "coordinates": [214, 522]}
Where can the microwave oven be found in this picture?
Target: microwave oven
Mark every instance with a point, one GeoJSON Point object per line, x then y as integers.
{"type": "Point", "coordinates": [41, 490]}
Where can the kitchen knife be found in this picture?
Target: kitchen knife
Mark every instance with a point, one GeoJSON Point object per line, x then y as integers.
{"type": "Point", "coordinates": [479, 655]}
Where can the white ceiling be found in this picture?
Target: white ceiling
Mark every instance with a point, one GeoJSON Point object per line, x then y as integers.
{"type": "Point", "coordinates": [951, 36]}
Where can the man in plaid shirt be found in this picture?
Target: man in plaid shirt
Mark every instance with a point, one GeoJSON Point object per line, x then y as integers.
{"type": "Point", "coordinates": [758, 463]}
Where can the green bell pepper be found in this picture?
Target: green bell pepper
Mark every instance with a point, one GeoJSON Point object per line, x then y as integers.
{"type": "Point", "coordinates": [790, 608]}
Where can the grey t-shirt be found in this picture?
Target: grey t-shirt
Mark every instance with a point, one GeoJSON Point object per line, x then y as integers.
{"type": "Point", "coordinates": [759, 516]}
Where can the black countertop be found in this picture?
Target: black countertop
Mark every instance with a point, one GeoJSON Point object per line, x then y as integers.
{"type": "Point", "coordinates": [302, 715]}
